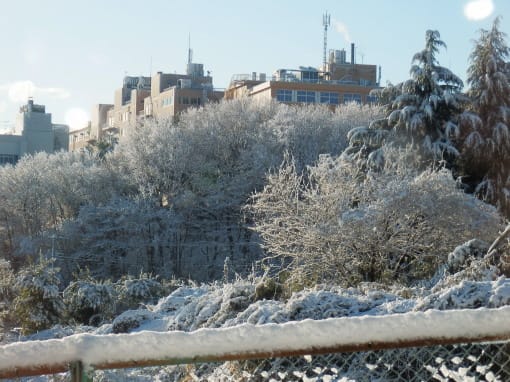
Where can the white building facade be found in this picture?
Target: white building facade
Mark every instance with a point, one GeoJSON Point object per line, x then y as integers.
{"type": "Point", "coordinates": [34, 132]}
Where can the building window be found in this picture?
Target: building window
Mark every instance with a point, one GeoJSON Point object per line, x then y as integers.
{"type": "Point", "coordinates": [8, 159]}
{"type": "Point", "coordinates": [184, 100]}
{"type": "Point", "coordinates": [284, 95]}
{"type": "Point", "coordinates": [310, 76]}
{"type": "Point", "coordinates": [168, 101]}
{"type": "Point", "coordinates": [371, 99]}
{"type": "Point", "coordinates": [148, 109]}
{"type": "Point", "coordinates": [354, 97]}
{"type": "Point", "coordinates": [329, 98]}
{"type": "Point", "coordinates": [305, 96]}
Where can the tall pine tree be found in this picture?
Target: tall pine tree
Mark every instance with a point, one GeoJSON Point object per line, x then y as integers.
{"type": "Point", "coordinates": [486, 149]}
{"type": "Point", "coordinates": [423, 112]}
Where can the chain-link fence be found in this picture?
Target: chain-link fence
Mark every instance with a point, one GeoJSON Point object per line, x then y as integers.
{"type": "Point", "coordinates": [464, 345]}
{"type": "Point", "coordinates": [460, 362]}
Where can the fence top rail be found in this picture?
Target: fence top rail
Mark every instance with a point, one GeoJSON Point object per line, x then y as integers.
{"type": "Point", "coordinates": [255, 341]}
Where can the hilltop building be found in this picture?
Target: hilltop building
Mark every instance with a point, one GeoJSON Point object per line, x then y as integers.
{"type": "Point", "coordinates": [34, 132]}
{"type": "Point", "coordinates": [336, 82]}
{"type": "Point", "coordinates": [164, 95]}
{"type": "Point", "coordinates": [96, 130]}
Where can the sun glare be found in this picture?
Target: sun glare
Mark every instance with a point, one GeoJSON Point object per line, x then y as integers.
{"type": "Point", "coordinates": [478, 9]}
{"type": "Point", "coordinates": [76, 118]}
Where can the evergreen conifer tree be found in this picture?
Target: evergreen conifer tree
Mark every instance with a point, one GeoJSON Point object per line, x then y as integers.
{"type": "Point", "coordinates": [486, 149]}
{"type": "Point", "coordinates": [423, 112]}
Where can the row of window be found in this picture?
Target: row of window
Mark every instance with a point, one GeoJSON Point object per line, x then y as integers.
{"type": "Point", "coordinates": [8, 159]}
{"type": "Point", "coordinates": [167, 101]}
{"type": "Point", "coordinates": [331, 98]}
{"type": "Point", "coordinates": [190, 100]}
{"type": "Point", "coordinates": [181, 100]}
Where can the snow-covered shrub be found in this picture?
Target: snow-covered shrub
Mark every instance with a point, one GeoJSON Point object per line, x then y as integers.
{"type": "Point", "coordinates": [206, 306]}
{"type": "Point", "coordinates": [6, 281]}
{"type": "Point", "coordinates": [6, 291]}
{"type": "Point", "coordinates": [394, 226]}
{"type": "Point", "coordinates": [130, 319]}
{"type": "Point", "coordinates": [89, 302]}
{"type": "Point", "coordinates": [469, 295]}
{"type": "Point", "coordinates": [38, 303]}
{"type": "Point", "coordinates": [132, 291]}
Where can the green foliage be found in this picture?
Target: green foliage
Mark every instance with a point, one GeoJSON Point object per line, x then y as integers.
{"type": "Point", "coordinates": [89, 301]}
{"type": "Point", "coordinates": [6, 291]}
{"type": "Point", "coordinates": [132, 291]}
{"type": "Point", "coordinates": [38, 304]}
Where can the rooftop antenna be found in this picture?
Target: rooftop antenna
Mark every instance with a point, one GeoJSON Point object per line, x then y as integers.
{"type": "Point", "coordinates": [190, 52]}
{"type": "Point", "coordinates": [326, 22]}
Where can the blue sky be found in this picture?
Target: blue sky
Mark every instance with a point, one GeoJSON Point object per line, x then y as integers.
{"type": "Point", "coordinates": [71, 54]}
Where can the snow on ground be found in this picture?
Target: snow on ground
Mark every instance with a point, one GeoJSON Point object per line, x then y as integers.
{"type": "Point", "coordinates": [218, 318]}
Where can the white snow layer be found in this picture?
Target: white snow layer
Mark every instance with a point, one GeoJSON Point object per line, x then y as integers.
{"type": "Point", "coordinates": [97, 350]}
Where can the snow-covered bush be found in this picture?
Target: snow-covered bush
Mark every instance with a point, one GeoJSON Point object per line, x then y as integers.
{"type": "Point", "coordinates": [130, 319]}
{"type": "Point", "coordinates": [393, 226]}
{"type": "Point", "coordinates": [6, 291]}
{"type": "Point", "coordinates": [89, 302]}
{"type": "Point", "coordinates": [131, 292]}
{"type": "Point", "coordinates": [38, 303]}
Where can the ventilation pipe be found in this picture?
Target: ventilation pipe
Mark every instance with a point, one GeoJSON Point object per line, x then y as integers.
{"type": "Point", "coordinates": [352, 53]}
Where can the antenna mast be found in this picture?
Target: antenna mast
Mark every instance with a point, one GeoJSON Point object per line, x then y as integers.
{"type": "Point", "coordinates": [190, 52]}
{"type": "Point", "coordinates": [326, 22]}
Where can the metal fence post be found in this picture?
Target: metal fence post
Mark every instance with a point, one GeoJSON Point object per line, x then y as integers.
{"type": "Point", "coordinates": [78, 373]}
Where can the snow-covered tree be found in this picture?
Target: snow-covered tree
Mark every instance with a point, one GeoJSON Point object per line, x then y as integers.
{"type": "Point", "coordinates": [423, 112]}
{"type": "Point", "coordinates": [43, 190]}
{"type": "Point", "coordinates": [392, 226]}
{"type": "Point", "coordinates": [486, 151]}
{"type": "Point", "coordinates": [204, 167]}
{"type": "Point", "coordinates": [38, 304]}
{"type": "Point", "coordinates": [121, 237]}
{"type": "Point", "coordinates": [307, 131]}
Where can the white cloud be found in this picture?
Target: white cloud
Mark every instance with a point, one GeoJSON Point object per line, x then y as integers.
{"type": "Point", "coordinates": [478, 9]}
{"type": "Point", "coordinates": [20, 91]}
{"type": "Point", "coordinates": [341, 28]}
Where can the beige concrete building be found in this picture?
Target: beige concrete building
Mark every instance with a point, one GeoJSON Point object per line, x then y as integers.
{"type": "Point", "coordinates": [335, 83]}
{"type": "Point", "coordinates": [34, 132]}
{"type": "Point", "coordinates": [97, 129]}
{"type": "Point", "coordinates": [171, 94]}
{"type": "Point", "coordinates": [164, 95]}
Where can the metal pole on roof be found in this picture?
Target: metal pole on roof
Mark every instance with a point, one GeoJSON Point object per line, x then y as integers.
{"type": "Point", "coordinates": [326, 22]}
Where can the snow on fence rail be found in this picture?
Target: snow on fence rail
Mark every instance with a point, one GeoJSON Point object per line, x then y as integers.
{"type": "Point", "coordinates": [246, 341]}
